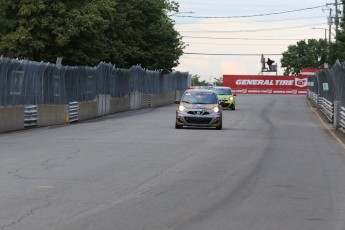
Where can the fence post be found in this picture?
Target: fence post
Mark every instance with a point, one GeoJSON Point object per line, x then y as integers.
{"type": "Point", "coordinates": [336, 114]}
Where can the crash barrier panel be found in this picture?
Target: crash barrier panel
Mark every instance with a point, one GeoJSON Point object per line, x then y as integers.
{"type": "Point", "coordinates": [327, 108]}
{"type": "Point", "coordinates": [342, 119]}
{"type": "Point", "coordinates": [313, 97]}
{"type": "Point", "coordinates": [73, 112]}
{"type": "Point", "coordinates": [12, 117]}
{"type": "Point", "coordinates": [30, 116]}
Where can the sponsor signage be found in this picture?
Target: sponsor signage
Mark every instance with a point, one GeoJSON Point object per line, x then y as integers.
{"type": "Point", "coordinates": [309, 71]}
{"type": "Point", "coordinates": [262, 84]}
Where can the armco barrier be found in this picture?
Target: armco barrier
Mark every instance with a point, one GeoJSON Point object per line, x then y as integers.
{"type": "Point", "coordinates": [342, 119]}
{"type": "Point", "coordinates": [73, 112]}
{"type": "Point", "coordinates": [327, 108]}
{"type": "Point", "coordinates": [30, 116]}
{"type": "Point", "coordinates": [313, 97]}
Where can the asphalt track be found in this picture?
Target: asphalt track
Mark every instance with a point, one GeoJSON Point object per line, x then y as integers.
{"type": "Point", "coordinates": [275, 165]}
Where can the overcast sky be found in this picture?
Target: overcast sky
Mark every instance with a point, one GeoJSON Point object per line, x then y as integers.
{"type": "Point", "coordinates": [244, 30]}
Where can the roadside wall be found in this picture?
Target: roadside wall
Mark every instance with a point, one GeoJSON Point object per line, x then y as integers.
{"type": "Point", "coordinates": [88, 110]}
{"type": "Point", "coordinates": [12, 118]}
{"type": "Point", "coordinates": [51, 114]}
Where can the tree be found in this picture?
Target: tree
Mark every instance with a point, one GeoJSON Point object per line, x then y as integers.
{"type": "Point", "coordinates": [6, 24]}
{"type": "Point", "coordinates": [148, 33]}
{"type": "Point", "coordinates": [337, 49]}
{"type": "Point", "coordinates": [44, 30]}
{"type": "Point", "coordinates": [86, 32]}
{"type": "Point", "coordinates": [310, 54]}
{"type": "Point", "coordinates": [196, 81]}
{"type": "Point", "coordinates": [218, 81]}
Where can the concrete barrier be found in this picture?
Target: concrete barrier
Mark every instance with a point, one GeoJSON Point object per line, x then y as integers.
{"type": "Point", "coordinates": [11, 118]}
{"type": "Point", "coordinates": [135, 100]}
{"type": "Point", "coordinates": [162, 99]}
{"type": "Point", "coordinates": [103, 104]}
{"type": "Point", "coordinates": [119, 104]}
{"type": "Point", "coordinates": [88, 110]}
{"type": "Point", "coordinates": [52, 114]}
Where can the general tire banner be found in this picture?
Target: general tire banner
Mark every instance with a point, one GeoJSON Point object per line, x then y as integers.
{"type": "Point", "coordinates": [262, 84]}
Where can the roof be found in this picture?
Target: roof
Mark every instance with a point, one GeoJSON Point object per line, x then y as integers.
{"type": "Point", "coordinates": [222, 87]}
{"type": "Point", "coordinates": [199, 90]}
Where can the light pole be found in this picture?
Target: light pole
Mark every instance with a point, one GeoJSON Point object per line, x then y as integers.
{"type": "Point", "coordinates": [326, 46]}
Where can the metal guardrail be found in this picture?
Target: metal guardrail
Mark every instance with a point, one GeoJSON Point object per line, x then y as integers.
{"type": "Point", "coordinates": [73, 115]}
{"type": "Point", "coordinates": [327, 108]}
{"type": "Point", "coordinates": [313, 96]}
{"type": "Point", "coordinates": [30, 116]}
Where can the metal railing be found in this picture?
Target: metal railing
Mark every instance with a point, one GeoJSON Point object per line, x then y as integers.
{"type": "Point", "coordinates": [342, 119]}
{"type": "Point", "coordinates": [73, 114]}
{"type": "Point", "coordinates": [327, 108]}
{"type": "Point", "coordinates": [313, 97]}
{"type": "Point", "coordinates": [30, 115]}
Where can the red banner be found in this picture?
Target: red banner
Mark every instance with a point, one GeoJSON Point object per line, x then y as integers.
{"type": "Point", "coordinates": [263, 84]}
{"type": "Point", "coordinates": [309, 71]}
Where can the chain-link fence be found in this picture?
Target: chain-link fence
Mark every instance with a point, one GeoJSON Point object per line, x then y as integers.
{"type": "Point", "coordinates": [329, 83]}
{"type": "Point", "coordinates": [327, 92]}
{"type": "Point", "coordinates": [24, 82]}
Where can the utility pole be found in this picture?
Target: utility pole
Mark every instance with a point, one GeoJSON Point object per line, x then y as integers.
{"type": "Point", "coordinates": [330, 22]}
{"type": "Point", "coordinates": [336, 20]}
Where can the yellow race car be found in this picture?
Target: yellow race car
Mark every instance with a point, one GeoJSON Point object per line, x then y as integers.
{"type": "Point", "coordinates": [225, 96]}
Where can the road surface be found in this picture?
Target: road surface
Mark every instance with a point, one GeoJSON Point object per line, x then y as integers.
{"type": "Point", "coordinates": [273, 166]}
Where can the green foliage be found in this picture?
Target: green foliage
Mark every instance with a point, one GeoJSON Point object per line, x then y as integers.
{"type": "Point", "coordinates": [6, 23]}
{"type": "Point", "coordinates": [337, 49]}
{"type": "Point", "coordinates": [196, 81]}
{"type": "Point", "coordinates": [86, 32]}
{"type": "Point", "coordinates": [148, 34]}
{"type": "Point", "coordinates": [310, 54]}
{"type": "Point", "coordinates": [218, 81]}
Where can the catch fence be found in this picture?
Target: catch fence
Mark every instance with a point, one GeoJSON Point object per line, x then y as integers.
{"type": "Point", "coordinates": [327, 92]}
{"type": "Point", "coordinates": [24, 82]}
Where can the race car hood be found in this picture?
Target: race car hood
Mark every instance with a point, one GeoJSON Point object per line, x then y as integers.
{"type": "Point", "coordinates": [223, 96]}
{"type": "Point", "coordinates": [198, 106]}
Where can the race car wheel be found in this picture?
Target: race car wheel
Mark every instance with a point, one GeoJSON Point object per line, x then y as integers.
{"type": "Point", "coordinates": [220, 126]}
{"type": "Point", "coordinates": [177, 126]}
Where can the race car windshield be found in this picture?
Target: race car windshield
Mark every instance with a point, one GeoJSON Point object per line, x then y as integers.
{"type": "Point", "coordinates": [200, 98]}
{"type": "Point", "coordinates": [223, 91]}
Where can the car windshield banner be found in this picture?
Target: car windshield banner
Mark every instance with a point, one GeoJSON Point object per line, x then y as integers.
{"type": "Point", "coordinates": [262, 84]}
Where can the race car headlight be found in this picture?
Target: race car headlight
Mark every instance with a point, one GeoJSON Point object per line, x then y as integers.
{"type": "Point", "coordinates": [215, 109]}
{"type": "Point", "coordinates": [181, 108]}
{"type": "Point", "coordinates": [231, 98]}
